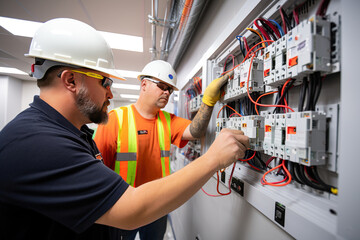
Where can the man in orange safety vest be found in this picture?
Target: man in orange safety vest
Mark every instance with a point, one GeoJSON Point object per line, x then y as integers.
{"type": "Point", "coordinates": [136, 141]}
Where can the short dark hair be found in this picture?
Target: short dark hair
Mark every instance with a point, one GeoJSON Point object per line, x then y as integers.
{"type": "Point", "coordinates": [49, 76]}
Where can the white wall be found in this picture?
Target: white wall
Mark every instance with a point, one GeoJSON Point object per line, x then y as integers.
{"type": "Point", "coordinates": [3, 99]}
{"type": "Point", "coordinates": [11, 92]}
{"type": "Point", "coordinates": [29, 90]}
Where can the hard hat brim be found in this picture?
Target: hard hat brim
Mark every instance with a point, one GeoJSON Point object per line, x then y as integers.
{"type": "Point", "coordinates": [111, 72]}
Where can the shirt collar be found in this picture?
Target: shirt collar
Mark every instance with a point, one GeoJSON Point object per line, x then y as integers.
{"type": "Point", "coordinates": [44, 107]}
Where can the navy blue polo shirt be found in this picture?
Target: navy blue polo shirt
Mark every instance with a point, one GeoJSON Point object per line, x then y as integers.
{"type": "Point", "coordinates": [52, 186]}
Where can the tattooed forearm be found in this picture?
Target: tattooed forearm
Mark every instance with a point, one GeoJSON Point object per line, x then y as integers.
{"type": "Point", "coordinates": [201, 120]}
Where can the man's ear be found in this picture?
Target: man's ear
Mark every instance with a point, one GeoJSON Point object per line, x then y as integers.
{"type": "Point", "coordinates": [143, 84]}
{"type": "Point", "coordinates": [68, 80]}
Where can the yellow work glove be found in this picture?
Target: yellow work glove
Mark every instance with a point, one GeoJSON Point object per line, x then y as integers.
{"type": "Point", "coordinates": [212, 93]}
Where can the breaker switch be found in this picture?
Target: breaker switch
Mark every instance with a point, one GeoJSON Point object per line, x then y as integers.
{"type": "Point", "coordinates": [293, 61]}
{"type": "Point", "coordinates": [291, 130]}
{"type": "Point", "coordinates": [267, 128]}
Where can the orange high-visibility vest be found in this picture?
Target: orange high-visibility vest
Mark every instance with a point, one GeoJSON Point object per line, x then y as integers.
{"type": "Point", "coordinates": [127, 142]}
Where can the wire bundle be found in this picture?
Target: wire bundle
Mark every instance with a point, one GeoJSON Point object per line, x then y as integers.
{"type": "Point", "coordinates": [280, 167]}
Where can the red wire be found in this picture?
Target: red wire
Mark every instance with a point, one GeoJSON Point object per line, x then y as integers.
{"type": "Point", "coordinates": [245, 160]}
{"type": "Point", "coordinates": [269, 161]}
{"type": "Point", "coordinates": [277, 184]}
{"type": "Point", "coordinates": [276, 31]}
{"type": "Point", "coordinates": [305, 168]}
{"type": "Point", "coordinates": [296, 16]}
{"type": "Point", "coordinates": [233, 61]}
{"type": "Point", "coordinates": [228, 107]}
{"type": "Point", "coordinates": [246, 44]}
{"type": "Point", "coordinates": [283, 20]}
{"type": "Point", "coordinates": [247, 54]}
{"type": "Point", "coordinates": [259, 104]}
{"type": "Point", "coordinates": [261, 97]}
{"type": "Point", "coordinates": [217, 186]}
{"type": "Point", "coordinates": [264, 33]}
{"type": "Point", "coordinates": [282, 92]}
{"type": "Point", "coordinates": [253, 167]}
{"type": "Point", "coordinates": [218, 182]}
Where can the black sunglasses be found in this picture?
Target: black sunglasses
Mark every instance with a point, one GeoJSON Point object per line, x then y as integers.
{"type": "Point", "coordinates": [161, 85]}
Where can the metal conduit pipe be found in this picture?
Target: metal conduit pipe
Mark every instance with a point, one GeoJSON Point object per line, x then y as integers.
{"type": "Point", "coordinates": [168, 22]}
{"type": "Point", "coordinates": [154, 10]}
{"type": "Point", "coordinates": [177, 41]}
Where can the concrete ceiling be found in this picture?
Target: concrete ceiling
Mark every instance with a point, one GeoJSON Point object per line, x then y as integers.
{"type": "Point", "coordinates": [117, 16]}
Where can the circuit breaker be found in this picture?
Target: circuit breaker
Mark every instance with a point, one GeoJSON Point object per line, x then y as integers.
{"type": "Point", "coordinates": [306, 138]}
{"type": "Point", "coordinates": [269, 64]}
{"type": "Point", "coordinates": [308, 47]}
{"type": "Point", "coordinates": [269, 134]}
{"type": "Point", "coordinates": [237, 87]}
{"type": "Point", "coordinates": [252, 126]}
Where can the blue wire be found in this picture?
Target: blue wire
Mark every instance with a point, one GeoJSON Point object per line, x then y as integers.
{"type": "Point", "coordinates": [238, 37]}
{"type": "Point", "coordinates": [278, 26]}
{"type": "Point", "coordinates": [241, 113]}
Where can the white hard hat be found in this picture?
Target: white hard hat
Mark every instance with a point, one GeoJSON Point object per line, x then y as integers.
{"type": "Point", "coordinates": [66, 41]}
{"type": "Point", "coordinates": [160, 70]}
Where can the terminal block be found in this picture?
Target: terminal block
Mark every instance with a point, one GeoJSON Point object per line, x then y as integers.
{"type": "Point", "coordinates": [255, 79]}
{"type": "Point", "coordinates": [306, 138]}
{"type": "Point", "coordinates": [308, 47]}
{"type": "Point", "coordinates": [253, 127]}
{"type": "Point", "coordinates": [195, 103]}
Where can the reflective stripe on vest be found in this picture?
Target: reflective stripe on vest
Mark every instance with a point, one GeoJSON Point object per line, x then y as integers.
{"type": "Point", "coordinates": [126, 157]}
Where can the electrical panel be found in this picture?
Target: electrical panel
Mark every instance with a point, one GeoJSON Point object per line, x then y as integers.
{"type": "Point", "coordinates": [277, 98]}
{"type": "Point", "coordinates": [190, 102]}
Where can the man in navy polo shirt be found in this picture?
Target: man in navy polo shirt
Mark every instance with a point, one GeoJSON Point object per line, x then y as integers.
{"type": "Point", "coordinates": [53, 184]}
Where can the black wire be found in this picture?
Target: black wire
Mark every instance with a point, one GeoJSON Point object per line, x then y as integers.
{"type": "Point", "coordinates": [269, 30]}
{"type": "Point", "coordinates": [311, 175]}
{"type": "Point", "coordinates": [280, 100]}
{"type": "Point", "coordinates": [319, 180]}
{"type": "Point", "coordinates": [257, 162]}
{"type": "Point", "coordinates": [318, 88]}
{"type": "Point", "coordinates": [309, 93]}
{"type": "Point", "coordinates": [286, 18]}
{"type": "Point", "coordinates": [276, 110]}
{"type": "Point", "coordinates": [310, 183]}
{"type": "Point", "coordinates": [242, 47]}
{"type": "Point", "coordinates": [297, 174]}
{"type": "Point", "coordinates": [287, 100]}
{"type": "Point", "coordinates": [292, 172]}
{"type": "Point", "coordinates": [302, 95]}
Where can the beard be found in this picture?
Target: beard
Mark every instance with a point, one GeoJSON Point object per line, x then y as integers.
{"type": "Point", "coordinates": [87, 107]}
